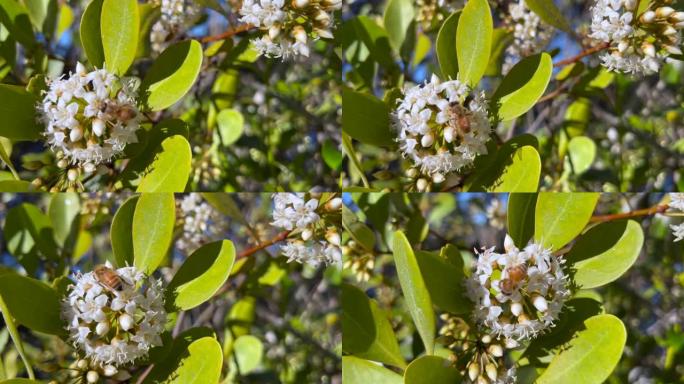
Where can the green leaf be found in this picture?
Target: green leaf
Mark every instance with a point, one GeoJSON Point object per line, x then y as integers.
{"type": "Point", "coordinates": [119, 28]}
{"type": "Point", "coordinates": [501, 39]}
{"type": "Point", "coordinates": [523, 86]}
{"type": "Point", "coordinates": [446, 47]}
{"type": "Point", "coordinates": [248, 351]}
{"type": "Point", "coordinates": [121, 232]}
{"type": "Point", "coordinates": [423, 47]}
{"type": "Point", "coordinates": [32, 303]}
{"type": "Point", "coordinates": [170, 170]}
{"type": "Point", "coordinates": [27, 230]}
{"type": "Point", "coordinates": [230, 125]}
{"type": "Point", "coordinates": [520, 217]}
{"type": "Point", "coordinates": [153, 222]}
{"type": "Point", "coordinates": [19, 381]}
{"type": "Point", "coordinates": [376, 39]}
{"type": "Point", "coordinates": [444, 281]}
{"type": "Point", "coordinates": [549, 13]}
{"type": "Point", "coordinates": [19, 107]}
{"type": "Point", "coordinates": [582, 152]}
{"type": "Point", "coordinates": [523, 172]}
{"type": "Point", "coordinates": [474, 41]}
{"type": "Point", "coordinates": [15, 17]}
{"type": "Point", "coordinates": [226, 204]}
{"type": "Point", "coordinates": [63, 210]}
{"type": "Point", "coordinates": [172, 75]}
{"type": "Point", "coordinates": [399, 15]}
{"type": "Point", "coordinates": [490, 170]}
{"type": "Point", "coordinates": [560, 217]}
{"type": "Point", "coordinates": [64, 21]}
{"type": "Point", "coordinates": [605, 252]}
{"type": "Point", "coordinates": [415, 292]}
{"type": "Point", "coordinates": [357, 230]}
{"type": "Point", "coordinates": [331, 154]}
{"type": "Point", "coordinates": [365, 118]}
{"type": "Point", "coordinates": [431, 370]}
{"type": "Point", "coordinates": [16, 339]}
{"type": "Point", "coordinates": [37, 10]}
{"type": "Point", "coordinates": [91, 39]}
{"type": "Point", "coordinates": [15, 186]}
{"type": "Point", "coordinates": [355, 371]}
{"type": "Point", "coordinates": [367, 331]}
{"type": "Point", "coordinates": [592, 355]}
{"type": "Point", "coordinates": [197, 362]}
{"type": "Point", "coordinates": [201, 275]}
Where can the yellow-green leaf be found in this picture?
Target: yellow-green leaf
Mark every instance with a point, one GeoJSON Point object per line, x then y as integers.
{"type": "Point", "coordinates": [119, 29]}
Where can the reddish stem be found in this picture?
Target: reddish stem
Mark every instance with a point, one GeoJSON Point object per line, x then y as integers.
{"type": "Point", "coordinates": [278, 238]}
{"type": "Point", "coordinates": [628, 215]}
{"type": "Point", "coordinates": [581, 55]}
{"type": "Point", "coordinates": [229, 33]}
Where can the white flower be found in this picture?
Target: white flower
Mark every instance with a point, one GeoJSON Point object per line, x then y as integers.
{"type": "Point", "coordinates": [530, 34]}
{"type": "Point", "coordinates": [457, 129]}
{"type": "Point", "coordinates": [677, 201]}
{"type": "Point", "coordinates": [314, 254]}
{"type": "Point", "coordinates": [291, 211]}
{"type": "Point", "coordinates": [115, 327]}
{"type": "Point", "coordinates": [201, 223]}
{"type": "Point", "coordinates": [89, 116]}
{"type": "Point", "coordinates": [520, 293]}
{"type": "Point", "coordinates": [176, 16]}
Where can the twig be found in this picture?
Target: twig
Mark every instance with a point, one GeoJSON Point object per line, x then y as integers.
{"type": "Point", "coordinates": [143, 376]}
{"type": "Point", "coordinates": [627, 215]}
{"type": "Point", "coordinates": [228, 33]}
{"type": "Point", "coordinates": [278, 238]}
{"type": "Point", "coordinates": [581, 55]}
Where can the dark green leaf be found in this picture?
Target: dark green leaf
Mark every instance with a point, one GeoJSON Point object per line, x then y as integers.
{"type": "Point", "coordinates": [365, 118]}
{"type": "Point", "coordinates": [520, 217]}
{"type": "Point", "coordinates": [19, 108]}
{"type": "Point", "coordinates": [121, 232]}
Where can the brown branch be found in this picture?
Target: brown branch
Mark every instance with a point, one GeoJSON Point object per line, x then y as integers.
{"type": "Point", "coordinates": [628, 215]}
{"type": "Point", "coordinates": [581, 55]}
{"type": "Point", "coordinates": [228, 33]}
{"type": "Point", "coordinates": [143, 376]}
{"type": "Point", "coordinates": [249, 251]}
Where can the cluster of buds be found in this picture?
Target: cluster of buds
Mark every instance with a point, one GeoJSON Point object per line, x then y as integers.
{"type": "Point", "coordinates": [289, 26]}
{"type": "Point", "coordinates": [88, 372]}
{"type": "Point", "coordinates": [487, 364]}
{"type": "Point", "coordinates": [206, 168]}
{"type": "Point", "coordinates": [636, 43]}
{"type": "Point", "coordinates": [313, 221]}
{"type": "Point", "coordinates": [431, 12]}
{"type": "Point", "coordinates": [358, 260]}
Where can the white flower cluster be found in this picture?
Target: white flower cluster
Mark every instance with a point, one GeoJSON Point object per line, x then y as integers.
{"type": "Point", "coordinates": [289, 25]}
{"type": "Point", "coordinates": [677, 202]}
{"type": "Point", "coordinates": [440, 128]}
{"type": "Point", "coordinates": [293, 213]}
{"type": "Point", "coordinates": [520, 293]}
{"type": "Point", "coordinates": [636, 45]}
{"type": "Point", "coordinates": [115, 327]}
{"type": "Point", "coordinates": [176, 16]}
{"type": "Point", "coordinates": [530, 34]}
{"type": "Point", "coordinates": [90, 116]}
{"type": "Point", "coordinates": [201, 223]}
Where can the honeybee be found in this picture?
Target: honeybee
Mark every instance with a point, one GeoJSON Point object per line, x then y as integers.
{"type": "Point", "coordinates": [459, 118]}
{"type": "Point", "coordinates": [108, 278]}
{"type": "Point", "coordinates": [516, 274]}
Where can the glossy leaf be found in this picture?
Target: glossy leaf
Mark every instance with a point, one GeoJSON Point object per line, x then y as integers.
{"type": "Point", "coordinates": [582, 152]}
{"type": "Point", "coordinates": [32, 303]}
{"type": "Point", "coordinates": [172, 75]}
{"type": "Point", "coordinates": [415, 292]}
{"type": "Point", "coordinates": [355, 371]}
{"type": "Point", "coordinates": [592, 355]}
{"type": "Point", "coordinates": [605, 252]}
{"type": "Point", "coordinates": [560, 217]}
{"type": "Point", "coordinates": [444, 281]}
{"type": "Point", "coordinates": [153, 222]}
{"type": "Point", "coordinates": [197, 362]}
{"type": "Point", "coordinates": [201, 275]}
{"type": "Point", "coordinates": [523, 172]}
{"type": "Point", "coordinates": [121, 232]}
{"type": "Point", "coordinates": [520, 217]}
{"type": "Point", "coordinates": [474, 41]}
{"type": "Point", "coordinates": [523, 86]}
{"type": "Point", "coordinates": [365, 118]}
{"type": "Point", "coordinates": [119, 29]}
{"type": "Point", "coordinates": [170, 170]}
{"type": "Point", "coordinates": [27, 230]}
{"type": "Point", "coordinates": [19, 108]}
{"type": "Point", "coordinates": [446, 47]}
{"type": "Point", "coordinates": [398, 16]}
{"type": "Point", "coordinates": [367, 331]}
{"type": "Point", "coordinates": [491, 169]}
{"type": "Point", "coordinates": [431, 370]}
{"type": "Point", "coordinates": [91, 39]}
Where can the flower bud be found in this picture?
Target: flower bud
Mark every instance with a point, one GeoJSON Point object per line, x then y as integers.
{"type": "Point", "coordinates": [324, 33]}
{"type": "Point", "coordinates": [299, 34]}
{"type": "Point", "coordinates": [510, 343]}
{"type": "Point", "coordinates": [516, 309]}
{"type": "Point", "coordinates": [334, 204]}
{"type": "Point", "coordinates": [300, 3]}
{"type": "Point", "coordinates": [664, 12]}
{"type": "Point", "coordinates": [630, 5]}
{"type": "Point", "coordinates": [76, 134]}
{"type": "Point", "coordinates": [421, 185]}
{"type": "Point", "coordinates": [669, 31]}
{"type": "Point", "coordinates": [72, 174]}
{"type": "Point", "coordinates": [92, 377]}
{"type": "Point", "coordinates": [109, 370]}
{"type": "Point", "coordinates": [491, 371]}
{"type": "Point", "coordinates": [427, 140]}
{"type": "Point", "coordinates": [486, 339]}
{"type": "Point", "coordinates": [673, 49]}
{"type": "Point", "coordinates": [333, 238]}
{"type": "Point", "coordinates": [482, 380]}
{"type": "Point", "coordinates": [411, 173]}
{"type": "Point", "coordinates": [676, 17]}
{"type": "Point", "coordinates": [449, 134]}
{"type": "Point", "coordinates": [102, 328]}
{"type": "Point", "coordinates": [473, 371]}
{"type": "Point", "coordinates": [306, 234]}
{"type": "Point", "coordinates": [438, 178]}
{"type": "Point", "coordinates": [62, 164]}
{"type": "Point", "coordinates": [623, 46]}
{"type": "Point", "coordinates": [495, 350]}
{"type": "Point", "coordinates": [509, 245]}
{"type": "Point", "coordinates": [89, 167]}
{"type": "Point", "coordinates": [98, 127]}
{"type": "Point", "coordinates": [126, 322]}
{"type": "Point", "coordinates": [648, 49]}
{"type": "Point", "coordinates": [540, 303]}
{"type": "Point", "coordinates": [82, 364]}
{"type": "Point", "coordinates": [647, 17]}
{"type": "Point", "coordinates": [274, 31]}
